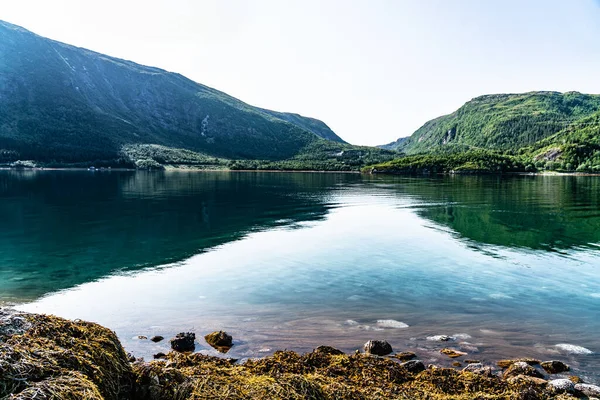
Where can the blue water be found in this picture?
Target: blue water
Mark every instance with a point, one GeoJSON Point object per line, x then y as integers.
{"type": "Point", "coordinates": [299, 260]}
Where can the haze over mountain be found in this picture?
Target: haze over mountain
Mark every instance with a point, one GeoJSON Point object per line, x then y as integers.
{"type": "Point", "coordinates": [66, 104]}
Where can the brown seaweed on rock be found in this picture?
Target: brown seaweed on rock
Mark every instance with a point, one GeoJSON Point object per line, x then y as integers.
{"type": "Point", "coordinates": [55, 358]}
{"type": "Point", "coordinates": [44, 357]}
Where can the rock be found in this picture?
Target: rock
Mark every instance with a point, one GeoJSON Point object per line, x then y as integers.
{"type": "Point", "coordinates": [440, 338]}
{"type": "Point", "coordinates": [456, 364]}
{"type": "Point", "coordinates": [184, 342]}
{"type": "Point", "coordinates": [469, 361]}
{"type": "Point", "coordinates": [378, 347]}
{"type": "Point", "coordinates": [573, 349]}
{"type": "Point", "coordinates": [142, 337]}
{"type": "Point", "coordinates": [575, 379]}
{"type": "Point", "coordinates": [478, 368]}
{"type": "Point", "coordinates": [555, 367]}
{"type": "Point", "coordinates": [131, 357]}
{"type": "Point", "coordinates": [526, 380]}
{"type": "Point", "coordinates": [405, 356]}
{"type": "Point", "coordinates": [220, 340]}
{"type": "Point", "coordinates": [522, 368]}
{"type": "Point", "coordinates": [452, 353]}
{"type": "Point", "coordinates": [414, 366]}
{"type": "Point", "coordinates": [507, 363]}
{"type": "Point", "coordinates": [156, 339]}
{"type": "Point", "coordinates": [561, 385]}
{"type": "Point", "coordinates": [588, 390]}
{"type": "Point", "coordinates": [158, 356]}
{"type": "Point", "coordinates": [332, 351]}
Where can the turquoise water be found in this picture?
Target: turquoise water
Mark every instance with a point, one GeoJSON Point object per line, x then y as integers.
{"type": "Point", "coordinates": [296, 260]}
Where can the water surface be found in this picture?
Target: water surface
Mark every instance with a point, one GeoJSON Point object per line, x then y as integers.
{"type": "Point", "coordinates": [296, 260]}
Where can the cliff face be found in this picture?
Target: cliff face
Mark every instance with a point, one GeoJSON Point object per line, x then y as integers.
{"type": "Point", "coordinates": [60, 102]}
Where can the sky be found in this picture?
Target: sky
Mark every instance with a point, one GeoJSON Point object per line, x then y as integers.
{"type": "Point", "coordinates": [373, 70]}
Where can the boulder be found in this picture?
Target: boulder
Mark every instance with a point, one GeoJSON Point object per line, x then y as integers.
{"type": "Point", "coordinates": [332, 351]}
{"type": "Point", "coordinates": [478, 368]}
{"type": "Point", "coordinates": [378, 347]}
{"type": "Point", "coordinates": [220, 340]}
{"type": "Point", "coordinates": [522, 368]}
{"type": "Point", "coordinates": [507, 363]}
{"type": "Point", "coordinates": [526, 380]}
{"type": "Point", "coordinates": [555, 367]}
{"type": "Point", "coordinates": [588, 390]}
{"type": "Point", "coordinates": [184, 342]}
{"type": "Point", "coordinates": [156, 339]}
{"type": "Point", "coordinates": [414, 366]}
{"type": "Point", "coordinates": [561, 385]}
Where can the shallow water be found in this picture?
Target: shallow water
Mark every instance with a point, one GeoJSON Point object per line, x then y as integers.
{"type": "Point", "coordinates": [292, 260]}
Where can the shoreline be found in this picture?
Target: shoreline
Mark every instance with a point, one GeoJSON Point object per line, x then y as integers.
{"type": "Point", "coordinates": [42, 349]}
{"type": "Point", "coordinates": [169, 168]}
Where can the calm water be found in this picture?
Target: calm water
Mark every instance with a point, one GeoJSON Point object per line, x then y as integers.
{"type": "Point", "coordinates": [292, 260]}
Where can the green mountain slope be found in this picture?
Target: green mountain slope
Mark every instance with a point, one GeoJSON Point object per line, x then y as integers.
{"type": "Point", "coordinates": [63, 104]}
{"type": "Point", "coordinates": [501, 122]}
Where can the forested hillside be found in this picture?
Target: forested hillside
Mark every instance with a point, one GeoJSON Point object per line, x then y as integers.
{"type": "Point", "coordinates": [60, 104]}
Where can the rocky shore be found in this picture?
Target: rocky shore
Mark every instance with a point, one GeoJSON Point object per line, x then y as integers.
{"type": "Point", "coordinates": [45, 357]}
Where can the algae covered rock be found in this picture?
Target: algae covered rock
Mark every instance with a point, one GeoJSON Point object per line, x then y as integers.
{"type": "Point", "coordinates": [452, 353]}
{"type": "Point", "coordinates": [522, 368]}
{"type": "Point", "coordinates": [184, 342]}
{"type": "Point", "coordinates": [328, 350]}
{"type": "Point", "coordinates": [405, 356]}
{"type": "Point", "coordinates": [555, 367]}
{"type": "Point", "coordinates": [378, 347]}
{"type": "Point", "coordinates": [220, 340]}
{"type": "Point", "coordinates": [51, 357]}
{"type": "Point", "coordinates": [507, 363]}
{"type": "Point", "coordinates": [478, 368]}
{"type": "Point", "coordinates": [414, 366]}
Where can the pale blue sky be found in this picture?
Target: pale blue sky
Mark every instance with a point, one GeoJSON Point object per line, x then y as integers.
{"type": "Point", "coordinates": [373, 70]}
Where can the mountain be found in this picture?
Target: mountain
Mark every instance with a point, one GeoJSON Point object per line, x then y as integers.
{"type": "Point", "coordinates": [64, 104]}
{"type": "Point", "coordinates": [502, 133]}
{"type": "Point", "coordinates": [501, 122]}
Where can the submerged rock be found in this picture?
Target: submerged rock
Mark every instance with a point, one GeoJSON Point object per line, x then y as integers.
{"type": "Point", "coordinates": [184, 342]}
{"type": "Point", "coordinates": [405, 356]}
{"type": "Point", "coordinates": [378, 347]}
{"type": "Point", "coordinates": [573, 349]}
{"type": "Point", "coordinates": [220, 340]}
{"type": "Point", "coordinates": [440, 338]}
{"type": "Point", "coordinates": [522, 368]}
{"type": "Point", "coordinates": [156, 339]}
{"type": "Point", "coordinates": [555, 367]}
{"type": "Point", "coordinates": [452, 353]}
{"type": "Point", "coordinates": [391, 323]}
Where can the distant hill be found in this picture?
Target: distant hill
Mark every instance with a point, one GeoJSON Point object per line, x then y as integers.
{"type": "Point", "coordinates": [63, 104]}
{"type": "Point", "coordinates": [501, 122]}
{"type": "Point", "coordinates": [526, 132]}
